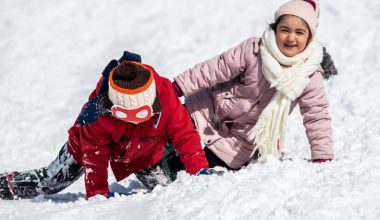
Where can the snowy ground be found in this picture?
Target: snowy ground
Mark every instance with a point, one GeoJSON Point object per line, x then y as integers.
{"type": "Point", "coordinates": [52, 53]}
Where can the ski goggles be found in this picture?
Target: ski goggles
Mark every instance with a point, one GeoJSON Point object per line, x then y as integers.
{"type": "Point", "coordinates": [135, 116]}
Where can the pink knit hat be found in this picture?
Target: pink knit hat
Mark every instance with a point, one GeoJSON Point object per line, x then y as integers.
{"type": "Point", "coordinates": [308, 10]}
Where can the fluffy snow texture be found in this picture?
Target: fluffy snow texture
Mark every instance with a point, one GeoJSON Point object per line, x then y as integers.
{"type": "Point", "coordinates": [52, 54]}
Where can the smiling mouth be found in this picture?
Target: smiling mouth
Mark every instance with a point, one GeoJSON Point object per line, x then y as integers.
{"type": "Point", "coordinates": [290, 45]}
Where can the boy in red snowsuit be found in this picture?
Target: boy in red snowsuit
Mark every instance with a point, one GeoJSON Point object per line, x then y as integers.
{"type": "Point", "coordinates": [128, 119]}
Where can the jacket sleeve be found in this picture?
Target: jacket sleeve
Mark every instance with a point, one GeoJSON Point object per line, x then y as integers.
{"type": "Point", "coordinates": [95, 142]}
{"type": "Point", "coordinates": [316, 119]}
{"type": "Point", "coordinates": [219, 69]}
{"type": "Point", "coordinates": [95, 92]}
{"type": "Point", "coordinates": [184, 137]}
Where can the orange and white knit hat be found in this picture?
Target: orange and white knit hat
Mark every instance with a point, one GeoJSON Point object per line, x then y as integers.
{"type": "Point", "coordinates": [308, 10]}
{"type": "Point", "coordinates": [132, 91]}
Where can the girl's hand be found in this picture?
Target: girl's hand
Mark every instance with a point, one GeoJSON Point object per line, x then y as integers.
{"type": "Point", "coordinates": [321, 160]}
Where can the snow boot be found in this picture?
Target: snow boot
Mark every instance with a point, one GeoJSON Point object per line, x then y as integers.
{"type": "Point", "coordinates": [163, 172]}
{"type": "Point", "coordinates": [6, 190]}
{"type": "Point", "coordinates": [60, 173]}
{"type": "Point", "coordinates": [153, 176]}
{"type": "Point", "coordinates": [18, 185]}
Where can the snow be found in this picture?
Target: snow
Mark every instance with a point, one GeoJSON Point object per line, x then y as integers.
{"type": "Point", "coordinates": [52, 54]}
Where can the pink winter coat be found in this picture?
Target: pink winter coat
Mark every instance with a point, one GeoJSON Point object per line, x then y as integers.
{"type": "Point", "coordinates": [225, 96]}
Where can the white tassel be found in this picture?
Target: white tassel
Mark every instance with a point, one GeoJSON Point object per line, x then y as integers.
{"type": "Point", "coordinates": [265, 134]}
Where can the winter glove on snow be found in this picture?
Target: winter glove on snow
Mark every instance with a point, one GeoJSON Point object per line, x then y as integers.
{"type": "Point", "coordinates": [209, 172]}
{"type": "Point", "coordinates": [113, 194]}
{"type": "Point", "coordinates": [204, 172]}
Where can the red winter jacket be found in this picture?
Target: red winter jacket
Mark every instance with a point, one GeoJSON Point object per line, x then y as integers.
{"type": "Point", "coordinates": [131, 147]}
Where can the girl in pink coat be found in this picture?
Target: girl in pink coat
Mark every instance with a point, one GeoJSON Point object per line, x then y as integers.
{"type": "Point", "coordinates": [240, 100]}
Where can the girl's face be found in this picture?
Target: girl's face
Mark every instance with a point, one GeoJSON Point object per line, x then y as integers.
{"type": "Point", "coordinates": [292, 35]}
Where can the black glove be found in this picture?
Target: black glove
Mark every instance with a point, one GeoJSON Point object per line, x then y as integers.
{"type": "Point", "coordinates": [128, 56]}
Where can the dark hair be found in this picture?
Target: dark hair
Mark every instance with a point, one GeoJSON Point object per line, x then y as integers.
{"type": "Point", "coordinates": [274, 25]}
{"type": "Point", "coordinates": [328, 65]}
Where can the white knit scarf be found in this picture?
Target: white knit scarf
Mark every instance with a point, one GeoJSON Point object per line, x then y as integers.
{"type": "Point", "coordinates": [290, 76]}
